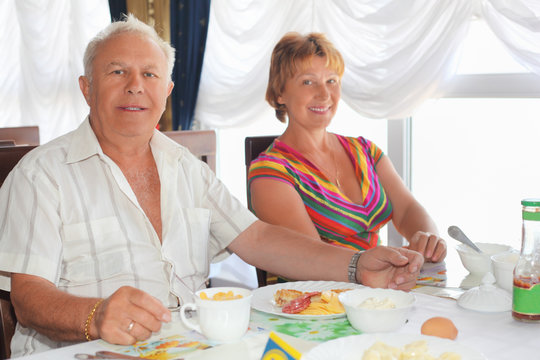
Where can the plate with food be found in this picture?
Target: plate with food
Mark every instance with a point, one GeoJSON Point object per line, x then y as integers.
{"type": "Point", "coordinates": [302, 299]}
{"type": "Point", "coordinates": [392, 346]}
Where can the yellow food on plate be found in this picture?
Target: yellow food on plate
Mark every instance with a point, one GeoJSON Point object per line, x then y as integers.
{"type": "Point", "coordinates": [417, 350]}
{"type": "Point", "coordinates": [439, 326]}
{"type": "Point", "coordinates": [328, 304]}
{"type": "Point", "coordinates": [381, 350]}
{"type": "Point", "coordinates": [229, 295]}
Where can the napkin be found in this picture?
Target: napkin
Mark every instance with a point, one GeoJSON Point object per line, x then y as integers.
{"type": "Point", "coordinates": [278, 349]}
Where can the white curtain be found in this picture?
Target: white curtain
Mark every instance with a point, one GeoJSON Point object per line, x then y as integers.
{"type": "Point", "coordinates": [41, 48]}
{"type": "Point", "coordinates": [517, 24]}
{"type": "Point", "coordinates": [397, 53]}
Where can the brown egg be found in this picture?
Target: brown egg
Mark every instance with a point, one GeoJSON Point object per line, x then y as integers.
{"type": "Point", "coordinates": [441, 327]}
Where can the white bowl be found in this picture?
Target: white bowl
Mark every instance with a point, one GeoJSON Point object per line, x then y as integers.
{"type": "Point", "coordinates": [480, 263]}
{"type": "Point", "coordinates": [376, 320]}
{"type": "Point", "coordinates": [503, 269]}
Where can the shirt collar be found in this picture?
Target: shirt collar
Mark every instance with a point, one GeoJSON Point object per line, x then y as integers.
{"type": "Point", "coordinates": [85, 144]}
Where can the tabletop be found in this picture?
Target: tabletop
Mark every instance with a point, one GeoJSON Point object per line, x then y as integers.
{"type": "Point", "coordinates": [495, 335]}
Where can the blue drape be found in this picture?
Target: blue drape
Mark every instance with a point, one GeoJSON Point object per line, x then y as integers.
{"type": "Point", "coordinates": [117, 8]}
{"type": "Point", "coordinates": [189, 26]}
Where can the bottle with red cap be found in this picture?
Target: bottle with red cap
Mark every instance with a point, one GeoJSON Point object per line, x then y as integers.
{"type": "Point", "coordinates": [526, 289]}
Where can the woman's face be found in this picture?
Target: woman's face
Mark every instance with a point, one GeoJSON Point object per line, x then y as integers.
{"type": "Point", "coordinates": [312, 94]}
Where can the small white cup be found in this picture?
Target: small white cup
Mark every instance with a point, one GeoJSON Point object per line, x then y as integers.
{"type": "Point", "coordinates": [220, 320]}
{"type": "Point", "coordinates": [503, 269]}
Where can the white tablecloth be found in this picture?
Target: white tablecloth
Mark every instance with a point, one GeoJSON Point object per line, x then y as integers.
{"type": "Point", "coordinates": [497, 335]}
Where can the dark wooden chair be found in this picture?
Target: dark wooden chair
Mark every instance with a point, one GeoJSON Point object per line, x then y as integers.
{"type": "Point", "coordinates": [9, 157]}
{"type": "Point", "coordinates": [201, 143]}
{"type": "Point", "coordinates": [254, 145]}
{"type": "Point", "coordinates": [22, 135]}
{"type": "Point", "coordinates": [7, 324]}
{"type": "Point", "coordinates": [4, 143]}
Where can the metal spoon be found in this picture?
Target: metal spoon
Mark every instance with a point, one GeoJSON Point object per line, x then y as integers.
{"type": "Point", "coordinates": [460, 236]}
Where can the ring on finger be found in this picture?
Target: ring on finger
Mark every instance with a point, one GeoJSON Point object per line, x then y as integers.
{"type": "Point", "coordinates": [130, 326]}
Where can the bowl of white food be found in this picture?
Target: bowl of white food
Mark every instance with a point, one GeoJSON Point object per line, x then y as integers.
{"type": "Point", "coordinates": [372, 310]}
{"type": "Point", "coordinates": [478, 263]}
{"type": "Point", "coordinates": [503, 269]}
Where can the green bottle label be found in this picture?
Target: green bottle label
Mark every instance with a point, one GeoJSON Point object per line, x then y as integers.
{"type": "Point", "coordinates": [535, 216]}
{"type": "Point", "coordinates": [527, 301]}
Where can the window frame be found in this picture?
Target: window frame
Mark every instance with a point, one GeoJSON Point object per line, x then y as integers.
{"type": "Point", "coordinates": [509, 85]}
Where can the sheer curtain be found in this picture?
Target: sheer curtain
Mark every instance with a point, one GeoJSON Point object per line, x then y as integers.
{"type": "Point", "coordinates": [517, 24]}
{"type": "Point", "coordinates": [398, 53]}
{"type": "Point", "coordinates": [41, 47]}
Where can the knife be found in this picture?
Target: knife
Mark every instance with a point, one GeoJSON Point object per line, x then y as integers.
{"type": "Point", "coordinates": [104, 355]}
{"type": "Point", "coordinates": [113, 355]}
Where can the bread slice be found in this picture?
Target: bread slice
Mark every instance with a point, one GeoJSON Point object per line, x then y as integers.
{"type": "Point", "coordinates": [283, 296]}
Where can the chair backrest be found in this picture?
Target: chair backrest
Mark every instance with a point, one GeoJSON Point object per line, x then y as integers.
{"type": "Point", "coordinates": [7, 324]}
{"type": "Point", "coordinates": [4, 143]}
{"type": "Point", "coordinates": [9, 157]}
{"type": "Point", "coordinates": [254, 145]}
{"type": "Point", "coordinates": [201, 143]}
{"type": "Point", "coordinates": [22, 135]}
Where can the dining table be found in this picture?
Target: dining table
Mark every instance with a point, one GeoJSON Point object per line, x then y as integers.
{"type": "Point", "coordinates": [495, 335]}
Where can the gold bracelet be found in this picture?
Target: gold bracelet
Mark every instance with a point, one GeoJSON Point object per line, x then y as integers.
{"type": "Point", "coordinates": [89, 319]}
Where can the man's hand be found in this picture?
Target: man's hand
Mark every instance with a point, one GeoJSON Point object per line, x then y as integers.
{"type": "Point", "coordinates": [431, 246]}
{"type": "Point", "coordinates": [60, 316]}
{"type": "Point", "coordinates": [113, 318]}
{"type": "Point", "coordinates": [389, 267]}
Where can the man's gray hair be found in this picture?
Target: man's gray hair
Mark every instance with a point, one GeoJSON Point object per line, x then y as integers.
{"type": "Point", "coordinates": [129, 24]}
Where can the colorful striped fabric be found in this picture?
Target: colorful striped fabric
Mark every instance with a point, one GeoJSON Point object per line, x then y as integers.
{"type": "Point", "coordinates": [338, 220]}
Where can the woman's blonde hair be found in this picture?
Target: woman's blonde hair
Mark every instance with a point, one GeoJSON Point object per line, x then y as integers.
{"type": "Point", "coordinates": [292, 52]}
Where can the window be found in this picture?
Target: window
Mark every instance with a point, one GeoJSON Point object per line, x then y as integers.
{"type": "Point", "coordinates": [473, 152]}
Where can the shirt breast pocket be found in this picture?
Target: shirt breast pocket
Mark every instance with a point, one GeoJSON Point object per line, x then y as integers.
{"type": "Point", "coordinates": [93, 251]}
{"type": "Point", "coordinates": [188, 249]}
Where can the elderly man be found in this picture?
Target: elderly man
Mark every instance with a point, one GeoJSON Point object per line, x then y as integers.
{"type": "Point", "coordinates": [108, 227]}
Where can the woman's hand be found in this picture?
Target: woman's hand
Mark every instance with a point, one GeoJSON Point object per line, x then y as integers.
{"type": "Point", "coordinates": [431, 246]}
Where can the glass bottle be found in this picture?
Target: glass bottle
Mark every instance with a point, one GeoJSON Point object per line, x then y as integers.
{"type": "Point", "coordinates": [526, 289]}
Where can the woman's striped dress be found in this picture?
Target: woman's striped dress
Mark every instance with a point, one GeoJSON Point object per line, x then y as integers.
{"type": "Point", "coordinates": [338, 220]}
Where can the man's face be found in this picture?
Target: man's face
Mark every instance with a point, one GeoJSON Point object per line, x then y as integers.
{"type": "Point", "coordinates": [129, 87]}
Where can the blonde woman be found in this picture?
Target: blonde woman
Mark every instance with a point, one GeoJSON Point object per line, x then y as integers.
{"type": "Point", "coordinates": [339, 189]}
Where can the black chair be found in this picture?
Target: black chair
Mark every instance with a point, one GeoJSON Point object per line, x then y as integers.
{"type": "Point", "coordinates": [254, 145]}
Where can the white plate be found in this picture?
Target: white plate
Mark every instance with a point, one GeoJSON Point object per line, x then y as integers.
{"type": "Point", "coordinates": [353, 347]}
{"type": "Point", "coordinates": [263, 298]}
